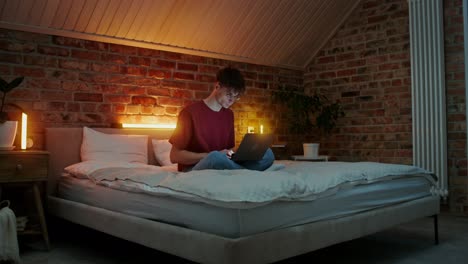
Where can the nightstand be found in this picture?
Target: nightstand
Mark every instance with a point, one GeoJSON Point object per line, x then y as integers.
{"type": "Point", "coordinates": [28, 169]}
{"type": "Point", "coordinates": [280, 151]}
{"type": "Point", "coordinates": [303, 158]}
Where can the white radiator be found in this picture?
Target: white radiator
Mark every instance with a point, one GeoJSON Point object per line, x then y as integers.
{"type": "Point", "coordinates": [428, 89]}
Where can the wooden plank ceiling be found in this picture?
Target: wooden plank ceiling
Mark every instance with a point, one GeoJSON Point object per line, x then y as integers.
{"type": "Point", "coordinates": [284, 33]}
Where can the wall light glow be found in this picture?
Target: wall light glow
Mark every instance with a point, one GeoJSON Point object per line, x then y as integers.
{"type": "Point", "coordinates": [126, 125]}
{"type": "Point", "coordinates": [24, 130]}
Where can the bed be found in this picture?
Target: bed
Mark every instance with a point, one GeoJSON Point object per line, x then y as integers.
{"type": "Point", "coordinates": [230, 224]}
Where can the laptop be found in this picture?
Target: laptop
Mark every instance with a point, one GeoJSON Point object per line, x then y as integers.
{"type": "Point", "coordinates": [252, 147]}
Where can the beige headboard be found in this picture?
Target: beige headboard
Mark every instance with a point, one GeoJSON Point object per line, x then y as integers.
{"type": "Point", "coordinates": [64, 145]}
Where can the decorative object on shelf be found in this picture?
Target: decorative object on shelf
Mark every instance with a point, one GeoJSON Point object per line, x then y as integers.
{"type": "Point", "coordinates": [24, 130]}
{"type": "Point", "coordinates": [8, 134]}
{"type": "Point", "coordinates": [311, 150]}
{"type": "Point", "coordinates": [309, 114]}
{"type": "Point", "coordinates": [7, 127]}
{"type": "Point", "coordinates": [29, 142]}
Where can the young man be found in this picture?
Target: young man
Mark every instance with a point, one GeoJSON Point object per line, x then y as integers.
{"type": "Point", "coordinates": [204, 136]}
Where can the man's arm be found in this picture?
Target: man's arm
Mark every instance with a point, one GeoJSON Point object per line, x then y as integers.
{"type": "Point", "coordinates": [189, 157]}
{"type": "Point", "coordinates": [185, 156]}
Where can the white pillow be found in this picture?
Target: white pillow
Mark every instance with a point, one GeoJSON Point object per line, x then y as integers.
{"type": "Point", "coordinates": [162, 149]}
{"type": "Point", "coordinates": [99, 146]}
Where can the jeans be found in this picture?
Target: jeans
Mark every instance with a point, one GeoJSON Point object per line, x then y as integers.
{"type": "Point", "coordinates": [219, 161]}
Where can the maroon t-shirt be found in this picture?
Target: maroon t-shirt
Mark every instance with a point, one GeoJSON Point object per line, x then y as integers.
{"type": "Point", "coordinates": [200, 129]}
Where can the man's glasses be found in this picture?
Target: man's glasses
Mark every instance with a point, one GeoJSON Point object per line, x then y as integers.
{"type": "Point", "coordinates": [232, 96]}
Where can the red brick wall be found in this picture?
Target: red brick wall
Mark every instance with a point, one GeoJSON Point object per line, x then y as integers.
{"type": "Point", "coordinates": [73, 83]}
{"type": "Point", "coordinates": [456, 105]}
{"type": "Point", "coordinates": [366, 66]}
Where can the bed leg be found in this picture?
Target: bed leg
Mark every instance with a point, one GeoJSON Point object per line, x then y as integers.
{"type": "Point", "coordinates": [436, 230]}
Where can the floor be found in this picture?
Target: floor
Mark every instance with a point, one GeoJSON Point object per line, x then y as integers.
{"type": "Point", "coordinates": [410, 243]}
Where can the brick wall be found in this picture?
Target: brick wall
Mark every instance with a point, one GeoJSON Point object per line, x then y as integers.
{"type": "Point", "coordinates": [73, 83]}
{"type": "Point", "coordinates": [366, 66]}
{"type": "Point", "coordinates": [456, 105]}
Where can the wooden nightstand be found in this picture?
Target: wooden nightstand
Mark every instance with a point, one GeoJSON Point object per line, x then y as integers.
{"type": "Point", "coordinates": [280, 151]}
{"type": "Point", "coordinates": [27, 168]}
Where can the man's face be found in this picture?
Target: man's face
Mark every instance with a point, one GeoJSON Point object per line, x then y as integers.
{"type": "Point", "coordinates": [226, 96]}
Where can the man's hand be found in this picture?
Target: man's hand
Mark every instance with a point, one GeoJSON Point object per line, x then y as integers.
{"type": "Point", "coordinates": [228, 152]}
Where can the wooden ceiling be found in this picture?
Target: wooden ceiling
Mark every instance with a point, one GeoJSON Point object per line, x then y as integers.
{"type": "Point", "coordinates": [284, 33]}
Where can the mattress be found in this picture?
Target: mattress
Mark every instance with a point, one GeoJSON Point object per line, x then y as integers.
{"type": "Point", "coordinates": [194, 213]}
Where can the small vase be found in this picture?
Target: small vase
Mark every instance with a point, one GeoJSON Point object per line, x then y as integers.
{"type": "Point", "coordinates": [311, 150]}
{"type": "Point", "coordinates": [8, 134]}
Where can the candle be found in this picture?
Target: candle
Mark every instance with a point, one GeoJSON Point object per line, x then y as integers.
{"type": "Point", "coordinates": [24, 130]}
{"type": "Point", "coordinates": [261, 129]}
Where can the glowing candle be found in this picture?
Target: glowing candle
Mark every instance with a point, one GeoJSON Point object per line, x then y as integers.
{"type": "Point", "coordinates": [24, 130]}
{"type": "Point", "coordinates": [261, 129]}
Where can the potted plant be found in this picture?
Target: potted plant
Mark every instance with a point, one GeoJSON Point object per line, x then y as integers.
{"type": "Point", "coordinates": [309, 114]}
{"type": "Point", "coordinates": [7, 128]}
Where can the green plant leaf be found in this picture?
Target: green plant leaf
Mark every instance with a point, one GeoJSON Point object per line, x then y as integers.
{"type": "Point", "coordinates": [3, 85]}
{"type": "Point", "coordinates": [13, 84]}
{"type": "Point", "coordinates": [3, 117]}
{"type": "Point", "coordinates": [307, 113]}
{"type": "Point", "coordinates": [6, 87]}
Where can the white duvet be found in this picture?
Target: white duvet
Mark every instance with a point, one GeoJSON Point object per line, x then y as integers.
{"type": "Point", "coordinates": [287, 181]}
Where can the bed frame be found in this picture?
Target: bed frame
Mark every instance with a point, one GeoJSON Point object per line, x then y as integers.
{"type": "Point", "coordinates": [64, 147]}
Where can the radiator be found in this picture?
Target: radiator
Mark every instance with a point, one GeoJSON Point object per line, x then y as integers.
{"type": "Point", "coordinates": [428, 89]}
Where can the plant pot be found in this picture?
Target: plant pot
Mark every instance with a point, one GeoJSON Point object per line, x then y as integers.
{"type": "Point", "coordinates": [311, 150]}
{"type": "Point", "coordinates": [8, 134]}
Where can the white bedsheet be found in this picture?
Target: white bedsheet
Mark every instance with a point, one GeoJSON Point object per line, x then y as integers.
{"type": "Point", "coordinates": [239, 219]}
{"type": "Point", "coordinates": [297, 180]}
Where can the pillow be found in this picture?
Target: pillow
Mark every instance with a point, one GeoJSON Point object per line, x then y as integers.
{"type": "Point", "coordinates": [99, 146]}
{"type": "Point", "coordinates": [162, 150]}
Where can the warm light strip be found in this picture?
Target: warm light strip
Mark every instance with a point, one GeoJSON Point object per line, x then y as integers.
{"type": "Point", "coordinates": [124, 125]}
{"type": "Point", "coordinates": [24, 130]}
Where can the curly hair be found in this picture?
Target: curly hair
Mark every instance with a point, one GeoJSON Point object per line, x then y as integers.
{"type": "Point", "coordinates": [231, 78]}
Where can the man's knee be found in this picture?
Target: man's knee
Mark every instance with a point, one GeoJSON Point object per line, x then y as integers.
{"type": "Point", "coordinates": [269, 154]}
